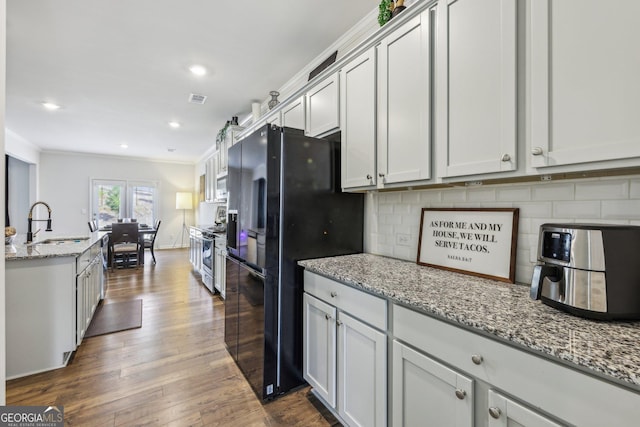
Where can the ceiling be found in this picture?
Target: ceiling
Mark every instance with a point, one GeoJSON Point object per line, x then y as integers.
{"type": "Point", "coordinates": [119, 69]}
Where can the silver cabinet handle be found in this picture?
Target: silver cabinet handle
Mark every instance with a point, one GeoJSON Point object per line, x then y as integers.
{"type": "Point", "coordinates": [536, 151]}
{"type": "Point", "coordinates": [334, 294]}
{"type": "Point", "coordinates": [495, 412]}
{"type": "Point", "coordinates": [381, 175]}
{"type": "Point", "coordinates": [369, 177]}
{"type": "Point", "coordinates": [326, 316]}
{"type": "Point", "coordinates": [476, 359]}
{"type": "Point", "coordinates": [461, 394]}
{"type": "Point", "coordinates": [506, 158]}
{"type": "Point", "coordinates": [339, 322]}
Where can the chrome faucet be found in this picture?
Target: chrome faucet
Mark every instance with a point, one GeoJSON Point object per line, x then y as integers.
{"type": "Point", "coordinates": [30, 220]}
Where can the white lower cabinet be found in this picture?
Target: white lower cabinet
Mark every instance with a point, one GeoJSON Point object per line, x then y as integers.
{"type": "Point", "coordinates": [512, 387]}
{"type": "Point", "coordinates": [319, 363]}
{"type": "Point", "coordinates": [345, 358]}
{"type": "Point", "coordinates": [220, 255]}
{"type": "Point", "coordinates": [427, 393]}
{"type": "Point", "coordinates": [505, 412]}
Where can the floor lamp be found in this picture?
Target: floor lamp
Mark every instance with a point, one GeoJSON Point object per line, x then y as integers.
{"type": "Point", "coordinates": [184, 201]}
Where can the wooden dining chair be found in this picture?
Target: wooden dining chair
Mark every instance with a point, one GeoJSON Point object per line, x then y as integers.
{"type": "Point", "coordinates": [124, 243]}
{"type": "Point", "coordinates": [150, 239]}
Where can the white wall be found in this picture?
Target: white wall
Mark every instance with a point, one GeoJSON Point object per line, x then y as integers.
{"type": "Point", "coordinates": [591, 200]}
{"type": "Point", "coordinates": [3, 56]}
{"type": "Point", "coordinates": [65, 186]}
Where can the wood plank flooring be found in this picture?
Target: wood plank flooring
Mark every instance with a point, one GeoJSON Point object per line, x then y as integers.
{"type": "Point", "coordinates": [173, 371]}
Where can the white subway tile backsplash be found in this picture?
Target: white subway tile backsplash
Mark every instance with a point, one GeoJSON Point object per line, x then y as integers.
{"type": "Point", "coordinates": [602, 201]}
{"type": "Point", "coordinates": [578, 210]}
{"type": "Point", "coordinates": [453, 196]}
{"type": "Point", "coordinates": [385, 209]}
{"type": "Point", "coordinates": [481, 195]}
{"type": "Point", "coordinates": [602, 190]}
{"type": "Point", "coordinates": [411, 197]}
{"type": "Point", "coordinates": [430, 196]}
{"type": "Point", "coordinates": [513, 194]}
{"type": "Point", "coordinates": [535, 210]}
{"type": "Point", "coordinates": [553, 192]}
{"type": "Point", "coordinates": [389, 197]}
{"type": "Point", "coordinates": [621, 209]}
{"type": "Point", "coordinates": [634, 190]}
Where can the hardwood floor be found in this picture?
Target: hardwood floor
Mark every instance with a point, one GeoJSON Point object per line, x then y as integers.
{"type": "Point", "coordinates": [173, 371]}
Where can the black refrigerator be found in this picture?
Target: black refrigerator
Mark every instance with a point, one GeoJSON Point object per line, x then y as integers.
{"type": "Point", "coordinates": [284, 204]}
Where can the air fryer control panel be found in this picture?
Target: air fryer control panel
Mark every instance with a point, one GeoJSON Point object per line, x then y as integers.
{"type": "Point", "coordinates": [556, 245]}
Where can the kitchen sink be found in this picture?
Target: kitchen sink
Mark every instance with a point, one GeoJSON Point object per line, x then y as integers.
{"type": "Point", "coordinates": [62, 240]}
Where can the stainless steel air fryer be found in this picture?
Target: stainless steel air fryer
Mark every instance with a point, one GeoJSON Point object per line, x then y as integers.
{"type": "Point", "coordinates": [590, 270]}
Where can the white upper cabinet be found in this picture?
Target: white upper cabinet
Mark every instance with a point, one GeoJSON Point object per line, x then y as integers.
{"type": "Point", "coordinates": [322, 107]}
{"type": "Point", "coordinates": [358, 118]}
{"type": "Point", "coordinates": [584, 82]}
{"type": "Point", "coordinates": [476, 86]}
{"type": "Point", "coordinates": [293, 114]}
{"type": "Point", "coordinates": [404, 99]}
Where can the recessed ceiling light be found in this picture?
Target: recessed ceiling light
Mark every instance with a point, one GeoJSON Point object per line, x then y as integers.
{"type": "Point", "coordinates": [174, 125]}
{"type": "Point", "coordinates": [123, 145]}
{"type": "Point", "coordinates": [50, 106]}
{"type": "Point", "coordinates": [198, 70]}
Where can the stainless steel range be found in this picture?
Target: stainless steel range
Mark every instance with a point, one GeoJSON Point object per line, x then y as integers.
{"type": "Point", "coordinates": [207, 259]}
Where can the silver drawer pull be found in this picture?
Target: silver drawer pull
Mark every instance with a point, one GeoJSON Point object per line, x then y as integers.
{"type": "Point", "coordinates": [339, 322]}
{"type": "Point", "coordinates": [536, 151]}
{"type": "Point", "coordinates": [326, 316]}
{"type": "Point", "coordinates": [505, 158]}
{"type": "Point", "coordinates": [495, 412]}
{"type": "Point", "coordinates": [369, 177]}
{"type": "Point", "coordinates": [476, 359]}
{"type": "Point", "coordinates": [334, 294]}
{"type": "Point", "coordinates": [461, 394]}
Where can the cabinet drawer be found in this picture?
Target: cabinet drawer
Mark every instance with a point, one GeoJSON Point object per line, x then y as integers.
{"type": "Point", "coordinates": [360, 304]}
{"type": "Point", "coordinates": [573, 396]}
{"type": "Point", "coordinates": [83, 261]}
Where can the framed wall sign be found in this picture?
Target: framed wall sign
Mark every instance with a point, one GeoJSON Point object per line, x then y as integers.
{"type": "Point", "coordinates": [481, 242]}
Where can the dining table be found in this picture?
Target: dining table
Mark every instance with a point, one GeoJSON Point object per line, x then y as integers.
{"type": "Point", "coordinates": [143, 230]}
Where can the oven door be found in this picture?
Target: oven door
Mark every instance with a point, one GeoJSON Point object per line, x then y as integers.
{"type": "Point", "coordinates": [207, 256]}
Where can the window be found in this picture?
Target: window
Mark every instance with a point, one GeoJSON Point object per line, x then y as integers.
{"type": "Point", "coordinates": [114, 199]}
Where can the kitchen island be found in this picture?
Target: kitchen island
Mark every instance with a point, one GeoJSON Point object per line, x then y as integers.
{"type": "Point", "coordinates": [494, 334]}
{"type": "Point", "coordinates": [53, 286]}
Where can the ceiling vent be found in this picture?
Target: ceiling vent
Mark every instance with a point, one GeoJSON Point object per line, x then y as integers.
{"type": "Point", "coordinates": [197, 99]}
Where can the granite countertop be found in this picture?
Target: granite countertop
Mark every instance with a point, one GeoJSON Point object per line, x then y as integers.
{"type": "Point", "coordinates": [19, 250]}
{"type": "Point", "coordinates": [503, 311]}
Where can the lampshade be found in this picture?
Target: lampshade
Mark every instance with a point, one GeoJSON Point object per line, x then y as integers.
{"type": "Point", "coordinates": [184, 200]}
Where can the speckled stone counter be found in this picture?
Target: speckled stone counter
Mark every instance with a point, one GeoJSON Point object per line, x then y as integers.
{"type": "Point", "coordinates": [503, 311]}
{"type": "Point", "coordinates": [19, 250]}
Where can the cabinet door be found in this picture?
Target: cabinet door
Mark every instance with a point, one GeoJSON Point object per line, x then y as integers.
{"type": "Point", "coordinates": [322, 107]}
{"type": "Point", "coordinates": [358, 118]}
{"type": "Point", "coordinates": [81, 319]}
{"type": "Point", "coordinates": [404, 99]}
{"type": "Point", "coordinates": [210, 178]}
{"type": "Point", "coordinates": [584, 70]}
{"type": "Point", "coordinates": [504, 412]}
{"type": "Point", "coordinates": [362, 373]}
{"type": "Point", "coordinates": [476, 87]}
{"type": "Point", "coordinates": [319, 347]}
{"type": "Point", "coordinates": [427, 393]}
{"type": "Point", "coordinates": [293, 115]}
{"type": "Point", "coordinates": [221, 159]}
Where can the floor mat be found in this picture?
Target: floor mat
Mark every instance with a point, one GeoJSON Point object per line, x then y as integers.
{"type": "Point", "coordinates": [115, 317]}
